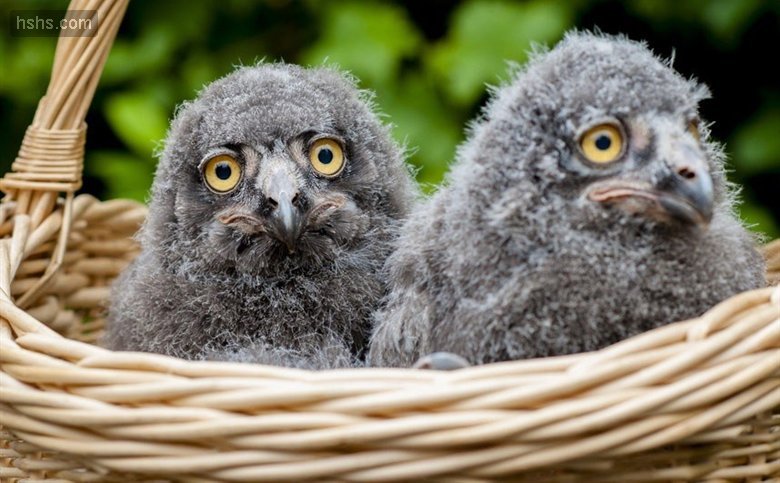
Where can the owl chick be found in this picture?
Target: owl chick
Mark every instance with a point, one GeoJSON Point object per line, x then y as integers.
{"type": "Point", "coordinates": [587, 205]}
{"type": "Point", "coordinates": [272, 211]}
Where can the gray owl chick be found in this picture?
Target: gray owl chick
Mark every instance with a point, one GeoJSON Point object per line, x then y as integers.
{"type": "Point", "coordinates": [588, 205]}
{"type": "Point", "coordinates": [272, 211]}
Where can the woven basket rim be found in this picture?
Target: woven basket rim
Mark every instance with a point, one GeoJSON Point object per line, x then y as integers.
{"type": "Point", "coordinates": [663, 391]}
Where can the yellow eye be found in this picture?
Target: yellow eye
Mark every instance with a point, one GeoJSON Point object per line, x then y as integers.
{"type": "Point", "coordinates": [602, 144]}
{"type": "Point", "coordinates": [222, 173]}
{"type": "Point", "coordinates": [326, 157]}
{"type": "Point", "coordinates": [693, 128]}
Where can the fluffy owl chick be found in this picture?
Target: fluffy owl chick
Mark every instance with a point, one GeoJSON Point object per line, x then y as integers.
{"type": "Point", "coordinates": [272, 210]}
{"type": "Point", "coordinates": [587, 205]}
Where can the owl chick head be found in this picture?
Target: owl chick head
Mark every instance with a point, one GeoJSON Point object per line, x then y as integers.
{"type": "Point", "coordinates": [608, 127]}
{"type": "Point", "coordinates": [275, 165]}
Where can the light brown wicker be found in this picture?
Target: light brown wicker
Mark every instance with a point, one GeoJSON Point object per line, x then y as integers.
{"type": "Point", "coordinates": [694, 400]}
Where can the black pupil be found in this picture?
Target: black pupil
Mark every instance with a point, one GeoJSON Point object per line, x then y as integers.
{"type": "Point", "coordinates": [325, 156]}
{"type": "Point", "coordinates": [223, 171]}
{"type": "Point", "coordinates": [603, 142]}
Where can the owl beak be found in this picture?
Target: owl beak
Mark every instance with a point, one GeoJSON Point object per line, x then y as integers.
{"type": "Point", "coordinates": [686, 193]}
{"type": "Point", "coordinates": [684, 185]}
{"type": "Point", "coordinates": [286, 219]}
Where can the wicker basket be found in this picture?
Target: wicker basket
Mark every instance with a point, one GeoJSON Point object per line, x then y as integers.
{"type": "Point", "coordinates": [694, 400]}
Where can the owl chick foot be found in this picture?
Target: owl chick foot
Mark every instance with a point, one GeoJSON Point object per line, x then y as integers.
{"type": "Point", "coordinates": [441, 361]}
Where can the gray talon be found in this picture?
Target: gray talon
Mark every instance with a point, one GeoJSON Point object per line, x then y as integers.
{"type": "Point", "coordinates": [441, 361]}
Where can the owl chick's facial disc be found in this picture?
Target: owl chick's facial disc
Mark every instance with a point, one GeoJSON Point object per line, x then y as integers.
{"type": "Point", "coordinates": [681, 191]}
{"type": "Point", "coordinates": [274, 203]}
{"type": "Point", "coordinates": [647, 162]}
{"type": "Point", "coordinates": [280, 168]}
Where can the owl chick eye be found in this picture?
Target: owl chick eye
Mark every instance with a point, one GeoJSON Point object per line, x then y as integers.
{"type": "Point", "coordinates": [602, 144]}
{"type": "Point", "coordinates": [222, 173]}
{"type": "Point", "coordinates": [326, 157]}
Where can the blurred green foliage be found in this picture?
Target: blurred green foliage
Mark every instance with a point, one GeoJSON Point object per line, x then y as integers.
{"type": "Point", "coordinates": [428, 63]}
{"type": "Point", "coordinates": [484, 35]}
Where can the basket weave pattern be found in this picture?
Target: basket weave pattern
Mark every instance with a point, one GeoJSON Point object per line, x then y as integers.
{"type": "Point", "coordinates": [694, 400]}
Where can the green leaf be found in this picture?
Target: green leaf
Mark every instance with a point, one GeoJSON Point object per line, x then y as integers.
{"type": "Point", "coordinates": [198, 70]}
{"type": "Point", "coordinates": [164, 29]}
{"type": "Point", "coordinates": [27, 68]}
{"type": "Point", "coordinates": [368, 39]}
{"type": "Point", "coordinates": [147, 55]}
{"type": "Point", "coordinates": [756, 145]}
{"type": "Point", "coordinates": [728, 18]}
{"type": "Point", "coordinates": [422, 121]}
{"type": "Point", "coordinates": [485, 35]}
{"type": "Point", "coordinates": [138, 120]}
{"type": "Point", "coordinates": [126, 176]}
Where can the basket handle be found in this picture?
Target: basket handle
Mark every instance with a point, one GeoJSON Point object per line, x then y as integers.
{"type": "Point", "coordinates": [51, 157]}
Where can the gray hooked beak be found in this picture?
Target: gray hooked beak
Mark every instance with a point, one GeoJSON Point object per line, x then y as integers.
{"type": "Point", "coordinates": [282, 195]}
{"type": "Point", "coordinates": [686, 193]}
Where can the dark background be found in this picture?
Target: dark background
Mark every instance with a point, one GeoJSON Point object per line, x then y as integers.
{"type": "Point", "coordinates": [428, 62]}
